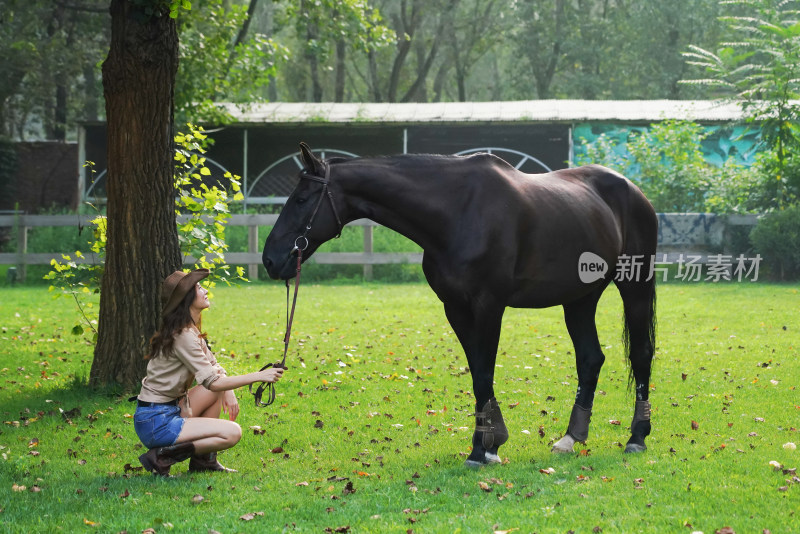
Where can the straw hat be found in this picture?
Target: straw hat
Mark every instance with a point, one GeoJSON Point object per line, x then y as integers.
{"type": "Point", "coordinates": [177, 285]}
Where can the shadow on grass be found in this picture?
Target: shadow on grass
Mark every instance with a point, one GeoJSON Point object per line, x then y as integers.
{"type": "Point", "coordinates": [71, 400]}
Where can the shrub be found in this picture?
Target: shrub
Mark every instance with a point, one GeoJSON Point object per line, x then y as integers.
{"type": "Point", "coordinates": [667, 163]}
{"type": "Point", "coordinates": [776, 238]}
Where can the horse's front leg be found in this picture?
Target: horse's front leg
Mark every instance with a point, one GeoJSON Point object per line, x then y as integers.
{"type": "Point", "coordinates": [479, 334]}
{"type": "Point", "coordinates": [589, 358]}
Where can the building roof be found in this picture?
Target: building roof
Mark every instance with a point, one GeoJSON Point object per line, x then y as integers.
{"type": "Point", "coordinates": [514, 111]}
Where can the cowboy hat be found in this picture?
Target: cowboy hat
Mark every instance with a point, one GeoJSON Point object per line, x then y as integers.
{"type": "Point", "coordinates": [177, 285]}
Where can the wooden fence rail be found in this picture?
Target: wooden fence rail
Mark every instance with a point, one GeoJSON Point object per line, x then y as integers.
{"type": "Point", "coordinates": [252, 258]}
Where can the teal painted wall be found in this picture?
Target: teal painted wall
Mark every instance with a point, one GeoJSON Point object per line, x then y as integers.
{"type": "Point", "coordinates": [723, 142]}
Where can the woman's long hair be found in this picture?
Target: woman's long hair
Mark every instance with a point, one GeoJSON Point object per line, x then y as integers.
{"type": "Point", "coordinates": [171, 325]}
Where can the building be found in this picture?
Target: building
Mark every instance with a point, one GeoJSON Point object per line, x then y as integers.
{"type": "Point", "coordinates": [261, 145]}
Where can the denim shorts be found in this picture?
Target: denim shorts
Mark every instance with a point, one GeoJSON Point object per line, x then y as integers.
{"type": "Point", "coordinates": [158, 425]}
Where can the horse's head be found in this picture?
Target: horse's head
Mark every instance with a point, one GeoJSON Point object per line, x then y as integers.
{"type": "Point", "coordinates": [310, 218]}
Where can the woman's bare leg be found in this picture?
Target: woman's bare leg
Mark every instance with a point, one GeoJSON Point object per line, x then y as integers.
{"type": "Point", "coordinates": [208, 432]}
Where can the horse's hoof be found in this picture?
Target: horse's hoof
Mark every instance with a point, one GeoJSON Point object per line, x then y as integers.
{"type": "Point", "coordinates": [564, 445]}
{"type": "Point", "coordinates": [488, 459]}
{"type": "Point", "coordinates": [492, 458]}
{"type": "Point", "coordinates": [635, 447]}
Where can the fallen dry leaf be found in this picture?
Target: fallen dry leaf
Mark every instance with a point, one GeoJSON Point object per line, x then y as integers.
{"type": "Point", "coordinates": [548, 471]}
{"type": "Point", "coordinates": [251, 516]}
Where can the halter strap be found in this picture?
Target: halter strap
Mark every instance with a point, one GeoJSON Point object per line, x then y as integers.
{"type": "Point", "coordinates": [326, 192]}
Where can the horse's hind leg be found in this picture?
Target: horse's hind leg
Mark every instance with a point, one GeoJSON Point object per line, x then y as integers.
{"type": "Point", "coordinates": [589, 358]}
{"type": "Point", "coordinates": [639, 302]}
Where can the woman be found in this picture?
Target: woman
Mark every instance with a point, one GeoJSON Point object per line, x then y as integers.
{"type": "Point", "coordinates": [173, 421]}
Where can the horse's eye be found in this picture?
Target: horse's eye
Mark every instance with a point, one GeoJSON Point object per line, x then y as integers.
{"type": "Point", "coordinates": [300, 200]}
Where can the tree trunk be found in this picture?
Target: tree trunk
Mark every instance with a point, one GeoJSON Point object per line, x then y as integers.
{"type": "Point", "coordinates": [341, 53]}
{"type": "Point", "coordinates": [142, 247]}
{"type": "Point", "coordinates": [374, 82]}
{"type": "Point", "coordinates": [312, 34]}
{"type": "Point", "coordinates": [90, 102]}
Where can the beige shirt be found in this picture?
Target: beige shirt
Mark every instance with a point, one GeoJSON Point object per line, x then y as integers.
{"type": "Point", "coordinates": [169, 376]}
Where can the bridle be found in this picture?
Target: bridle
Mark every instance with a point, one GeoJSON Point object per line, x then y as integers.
{"type": "Point", "coordinates": [326, 192]}
{"type": "Point", "coordinates": [300, 244]}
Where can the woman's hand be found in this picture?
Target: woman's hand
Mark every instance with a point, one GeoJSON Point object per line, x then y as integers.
{"type": "Point", "coordinates": [273, 374]}
{"type": "Point", "coordinates": [230, 405]}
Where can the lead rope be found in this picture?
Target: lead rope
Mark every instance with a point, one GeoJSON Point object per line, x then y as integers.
{"type": "Point", "coordinates": [289, 320]}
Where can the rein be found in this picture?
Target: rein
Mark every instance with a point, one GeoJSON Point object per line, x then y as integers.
{"type": "Point", "coordinates": [289, 320]}
{"type": "Point", "coordinates": [303, 239]}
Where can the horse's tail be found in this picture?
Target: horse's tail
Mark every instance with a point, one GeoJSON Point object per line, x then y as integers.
{"type": "Point", "coordinates": [637, 286]}
{"type": "Point", "coordinates": [637, 323]}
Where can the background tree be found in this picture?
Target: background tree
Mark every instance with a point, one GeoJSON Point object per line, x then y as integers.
{"type": "Point", "coordinates": [222, 59]}
{"type": "Point", "coordinates": [142, 239]}
{"type": "Point", "coordinates": [327, 33]}
{"type": "Point", "coordinates": [474, 29]}
{"type": "Point", "coordinates": [48, 50]}
{"type": "Point", "coordinates": [359, 51]}
{"type": "Point", "coordinates": [540, 38]}
{"type": "Point", "coordinates": [761, 70]}
{"type": "Point", "coordinates": [606, 49]}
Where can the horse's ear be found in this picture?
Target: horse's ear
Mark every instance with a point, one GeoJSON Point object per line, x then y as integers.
{"type": "Point", "coordinates": [310, 162]}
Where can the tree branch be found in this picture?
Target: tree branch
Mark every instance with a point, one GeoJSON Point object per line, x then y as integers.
{"type": "Point", "coordinates": [77, 7]}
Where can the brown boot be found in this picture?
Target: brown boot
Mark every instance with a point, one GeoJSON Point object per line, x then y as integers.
{"type": "Point", "coordinates": [159, 459]}
{"type": "Point", "coordinates": [207, 462]}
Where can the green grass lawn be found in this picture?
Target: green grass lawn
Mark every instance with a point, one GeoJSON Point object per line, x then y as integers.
{"type": "Point", "coordinates": [373, 421]}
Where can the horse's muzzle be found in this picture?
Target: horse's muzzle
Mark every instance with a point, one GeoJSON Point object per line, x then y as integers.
{"type": "Point", "coordinates": [281, 270]}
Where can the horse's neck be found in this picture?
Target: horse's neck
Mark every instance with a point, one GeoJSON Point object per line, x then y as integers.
{"type": "Point", "coordinates": [412, 204]}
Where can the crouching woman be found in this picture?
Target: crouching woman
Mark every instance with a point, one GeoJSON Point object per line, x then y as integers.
{"type": "Point", "coordinates": [174, 420]}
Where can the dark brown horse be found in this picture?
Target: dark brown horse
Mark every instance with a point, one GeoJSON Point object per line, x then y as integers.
{"type": "Point", "coordinates": [494, 237]}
